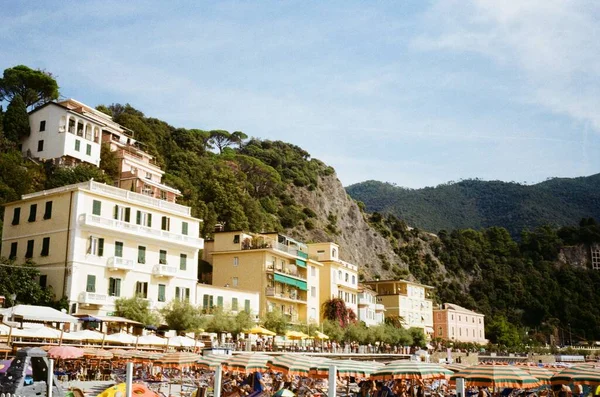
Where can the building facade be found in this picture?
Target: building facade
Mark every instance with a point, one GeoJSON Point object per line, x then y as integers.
{"type": "Point", "coordinates": [275, 266]}
{"type": "Point", "coordinates": [234, 300]}
{"type": "Point", "coordinates": [94, 243]}
{"type": "Point", "coordinates": [369, 311]}
{"type": "Point", "coordinates": [339, 279]}
{"type": "Point", "coordinates": [455, 323]}
{"type": "Point", "coordinates": [408, 300]}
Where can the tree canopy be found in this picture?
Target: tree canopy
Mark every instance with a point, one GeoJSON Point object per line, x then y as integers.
{"type": "Point", "coordinates": [16, 120]}
{"type": "Point", "coordinates": [35, 87]}
{"type": "Point", "coordinates": [136, 309]}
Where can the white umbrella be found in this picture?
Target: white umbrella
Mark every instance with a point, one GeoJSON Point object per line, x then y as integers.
{"type": "Point", "coordinates": [41, 332]}
{"type": "Point", "coordinates": [86, 335]}
{"type": "Point", "coordinates": [181, 341]}
{"type": "Point", "coordinates": [120, 337]}
{"type": "Point", "coordinates": [151, 340]}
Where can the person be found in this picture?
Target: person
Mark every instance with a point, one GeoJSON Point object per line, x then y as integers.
{"type": "Point", "coordinates": [258, 385]}
{"type": "Point", "coordinates": [383, 390]}
{"type": "Point", "coordinates": [579, 390]}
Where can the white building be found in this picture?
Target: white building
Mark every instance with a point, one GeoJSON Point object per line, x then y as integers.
{"type": "Point", "coordinates": [95, 243]}
{"type": "Point", "coordinates": [369, 311]}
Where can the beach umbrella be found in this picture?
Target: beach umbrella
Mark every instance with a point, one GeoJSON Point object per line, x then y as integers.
{"type": "Point", "coordinates": [145, 356]}
{"type": "Point", "coordinates": [181, 341]}
{"type": "Point", "coordinates": [86, 334]}
{"type": "Point", "coordinates": [121, 337]}
{"type": "Point", "coordinates": [321, 336]}
{"type": "Point", "coordinates": [258, 330]}
{"type": "Point", "coordinates": [294, 364]}
{"type": "Point", "coordinates": [284, 393]}
{"type": "Point", "coordinates": [580, 374]}
{"type": "Point", "coordinates": [65, 352]}
{"type": "Point", "coordinates": [97, 353]}
{"type": "Point", "coordinates": [152, 340]}
{"type": "Point", "coordinates": [121, 353]}
{"type": "Point", "coordinates": [345, 368]}
{"type": "Point", "coordinates": [455, 367]}
{"type": "Point", "coordinates": [542, 374]}
{"type": "Point", "coordinates": [211, 361]}
{"type": "Point", "coordinates": [247, 363]}
{"type": "Point", "coordinates": [295, 335]}
{"type": "Point", "coordinates": [177, 359]}
{"type": "Point", "coordinates": [411, 370]}
{"type": "Point", "coordinates": [497, 376]}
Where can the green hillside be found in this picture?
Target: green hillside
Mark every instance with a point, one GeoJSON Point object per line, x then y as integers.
{"type": "Point", "coordinates": [480, 204]}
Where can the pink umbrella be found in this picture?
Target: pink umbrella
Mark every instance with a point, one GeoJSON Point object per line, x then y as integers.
{"type": "Point", "coordinates": [65, 352]}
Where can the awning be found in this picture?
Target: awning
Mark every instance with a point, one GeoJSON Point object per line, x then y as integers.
{"type": "Point", "coordinates": [111, 319]}
{"type": "Point", "coordinates": [291, 281]}
{"type": "Point", "coordinates": [38, 314]}
{"type": "Point", "coordinates": [300, 263]}
{"type": "Point", "coordinates": [429, 330]}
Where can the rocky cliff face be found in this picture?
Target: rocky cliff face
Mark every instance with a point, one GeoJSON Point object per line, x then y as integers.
{"type": "Point", "coordinates": [577, 255]}
{"type": "Point", "coordinates": [339, 219]}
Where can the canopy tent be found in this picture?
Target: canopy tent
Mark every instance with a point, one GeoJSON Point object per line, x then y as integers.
{"type": "Point", "coordinates": [184, 341]}
{"type": "Point", "coordinates": [258, 330]}
{"type": "Point", "coordinates": [120, 337]}
{"type": "Point", "coordinates": [151, 340]}
{"type": "Point", "coordinates": [86, 334]}
{"type": "Point", "coordinates": [37, 314]}
{"type": "Point", "coordinates": [40, 332]}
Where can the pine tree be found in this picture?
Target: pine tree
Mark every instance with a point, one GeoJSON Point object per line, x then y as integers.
{"type": "Point", "coordinates": [16, 120]}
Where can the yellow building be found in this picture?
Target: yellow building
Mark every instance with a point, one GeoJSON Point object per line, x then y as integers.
{"type": "Point", "coordinates": [339, 279]}
{"type": "Point", "coordinates": [274, 265]}
{"type": "Point", "coordinates": [406, 299]}
{"type": "Point", "coordinates": [95, 243]}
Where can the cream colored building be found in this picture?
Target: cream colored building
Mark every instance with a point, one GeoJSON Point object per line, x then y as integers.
{"type": "Point", "coordinates": [339, 279]}
{"type": "Point", "coordinates": [455, 323]}
{"type": "Point", "coordinates": [95, 243]}
{"type": "Point", "coordinates": [275, 266]}
{"type": "Point", "coordinates": [406, 299]}
{"type": "Point", "coordinates": [369, 311]}
{"type": "Point", "coordinates": [232, 300]}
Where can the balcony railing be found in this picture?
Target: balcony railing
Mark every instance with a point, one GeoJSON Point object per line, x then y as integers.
{"type": "Point", "coordinates": [379, 307]}
{"type": "Point", "coordinates": [140, 231]}
{"type": "Point", "coordinates": [118, 263]}
{"type": "Point", "coordinates": [265, 243]}
{"type": "Point", "coordinates": [164, 271]}
{"type": "Point", "coordinates": [93, 298]}
{"type": "Point", "coordinates": [290, 296]}
{"type": "Point", "coordinates": [286, 272]}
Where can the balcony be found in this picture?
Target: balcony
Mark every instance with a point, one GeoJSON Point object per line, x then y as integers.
{"type": "Point", "coordinates": [117, 263]}
{"type": "Point", "coordinates": [379, 307]}
{"type": "Point", "coordinates": [93, 298]}
{"type": "Point", "coordinates": [293, 296]}
{"type": "Point", "coordinates": [164, 271]}
{"type": "Point", "coordinates": [286, 271]}
{"type": "Point", "coordinates": [363, 301]}
{"type": "Point", "coordinates": [140, 231]}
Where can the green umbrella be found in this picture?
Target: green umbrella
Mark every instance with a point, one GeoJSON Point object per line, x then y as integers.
{"type": "Point", "coordinates": [411, 370]}
{"type": "Point", "coordinates": [247, 363]}
{"type": "Point", "coordinates": [294, 364]}
{"type": "Point", "coordinates": [585, 375]}
{"type": "Point", "coordinates": [497, 376]}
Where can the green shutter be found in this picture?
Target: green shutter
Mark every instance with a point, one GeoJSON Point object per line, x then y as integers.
{"type": "Point", "coordinates": [149, 220]}
{"type": "Point", "coordinates": [177, 293]}
{"type": "Point", "coordinates": [116, 212]}
{"type": "Point", "coordinates": [141, 254]}
{"type": "Point", "coordinates": [161, 293]}
{"type": "Point", "coordinates": [187, 294]}
{"type": "Point", "coordinates": [163, 224]}
{"type": "Point", "coordinates": [97, 207]}
{"type": "Point", "coordinates": [127, 214]}
{"type": "Point", "coordinates": [91, 283]}
{"type": "Point", "coordinates": [163, 257]}
{"type": "Point", "coordinates": [48, 211]}
{"type": "Point", "coordinates": [138, 218]}
{"type": "Point", "coordinates": [247, 305]}
{"type": "Point", "coordinates": [220, 301]}
{"type": "Point", "coordinates": [45, 246]}
{"type": "Point", "coordinates": [205, 301]}
{"type": "Point", "coordinates": [184, 228]}
{"type": "Point", "coordinates": [234, 304]}
{"type": "Point", "coordinates": [300, 263]}
{"type": "Point", "coordinates": [16, 216]}
{"type": "Point", "coordinates": [100, 246]}
{"type": "Point", "coordinates": [117, 287]}
{"type": "Point", "coordinates": [32, 212]}
{"type": "Point", "coordinates": [118, 249]}
{"type": "Point", "coordinates": [182, 262]}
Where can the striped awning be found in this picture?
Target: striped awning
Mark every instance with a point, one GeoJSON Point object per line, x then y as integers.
{"type": "Point", "coordinates": [411, 370]}
{"type": "Point", "coordinates": [178, 359]}
{"type": "Point", "coordinates": [586, 375]}
{"type": "Point", "coordinates": [542, 374]}
{"type": "Point", "coordinates": [294, 364]}
{"type": "Point", "coordinates": [345, 368]}
{"type": "Point", "coordinates": [211, 361]}
{"type": "Point", "coordinates": [247, 363]}
{"type": "Point", "coordinates": [291, 281]}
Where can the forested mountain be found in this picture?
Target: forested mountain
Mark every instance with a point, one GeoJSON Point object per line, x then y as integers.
{"type": "Point", "coordinates": [480, 204]}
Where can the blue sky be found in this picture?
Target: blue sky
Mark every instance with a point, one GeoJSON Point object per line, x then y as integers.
{"type": "Point", "coordinates": [415, 93]}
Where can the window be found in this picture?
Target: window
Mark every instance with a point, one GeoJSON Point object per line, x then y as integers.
{"type": "Point", "coordinates": [234, 281]}
{"type": "Point", "coordinates": [122, 213]}
{"type": "Point", "coordinates": [90, 285]}
{"type": "Point", "coordinates": [29, 252]}
{"type": "Point", "coordinates": [247, 305]}
{"type": "Point", "coordinates": [184, 228]}
{"type": "Point", "coordinates": [234, 304]}
{"type": "Point", "coordinates": [236, 261]}
{"type": "Point", "coordinates": [207, 301]}
{"type": "Point", "coordinates": [346, 297]}
{"type": "Point", "coordinates": [187, 294]}
{"type": "Point", "coordinates": [43, 281]}
{"type": "Point", "coordinates": [165, 223]}
{"type": "Point", "coordinates": [313, 292]}
{"type": "Point", "coordinates": [143, 218]}
{"type": "Point", "coordinates": [148, 175]}
{"type": "Point", "coordinates": [97, 207]}
{"type": "Point", "coordinates": [340, 294]}
{"type": "Point", "coordinates": [118, 249]}
{"type": "Point", "coordinates": [162, 257]}
{"type": "Point", "coordinates": [77, 145]}
{"type": "Point", "coordinates": [141, 289]}
{"type": "Point", "coordinates": [13, 250]}
{"type": "Point", "coordinates": [220, 301]}
{"type": "Point", "coordinates": [48, 210]}
{"type": "Point", "coordinates": [182, 261]}
{"type": "Point", "coordinates": [162, 293]}
{"type": "Point", "coordinates": [141, 254]}
{"type": "Point", "coordinates": [177, 293]}
{"type": "Point", "coordinates": [45, 246]}
{"type": "Point", "coordinates": [32, 212]}
{"type": "Point", "coordinates": [88, 149]}
{"type": "Point", "coordinates": [42, 125]}
{"type": "Point", "coordinates": [96, 246]}
{"type": "Point", "coordinates": [339, 274]}
{"type": "Point", "coordinates": [114, 286]}
{"type": "Point", "coordinates": [353, 279]}
{"type": "Point", "coordinates": [334, 253]}
{"type": "Point", "coordinates": [236, 239]}
{"type": "Point", "coordinates": [313, 271]}
{"type": "Point", "coordinates": [16, 215]}
{"type": "Point", "coordinates": [41, 145]}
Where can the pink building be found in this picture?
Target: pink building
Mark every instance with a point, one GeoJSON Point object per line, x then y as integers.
{"type": "Point", "coordinates": [455, 323]}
